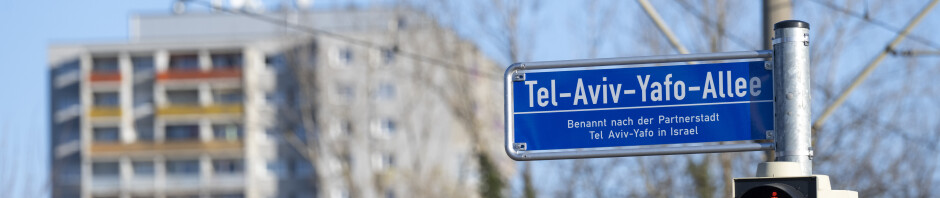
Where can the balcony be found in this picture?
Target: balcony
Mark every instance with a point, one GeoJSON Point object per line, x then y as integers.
{"type": "Point", "coordinates": [164, 147]}
{"type": "Point", "coordinates": [67, 78]}
{"type": "Point", "coordinates": [181, 182]}
{"type": "Point", "coordinates": [98, 112]}
{"type": "Point", "coordinates": [200, 110]}
{"type": "Point", "coordinates": [104, 76]}
{"type": "Point", "coordinates": [196, 74]}
{"type": "Point", "coordinates": [105, 184]}
{"type": "Point", "coordinates": [228, 182]}
{"type": "Point", "coordinates": [143, 184]}
{"type": "Point", "coordinates": [67, 148]}
{"type": "Point", "coordinates": [68, 113]}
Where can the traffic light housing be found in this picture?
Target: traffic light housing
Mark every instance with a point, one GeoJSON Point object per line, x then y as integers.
{"type": "Point", "coordinates": [788, 187]}
{"type": "Point", "coordinates": [775, 187]}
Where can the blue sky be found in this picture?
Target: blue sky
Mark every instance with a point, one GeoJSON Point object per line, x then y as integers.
{"type": "Point", "coordinates": [28, 27]}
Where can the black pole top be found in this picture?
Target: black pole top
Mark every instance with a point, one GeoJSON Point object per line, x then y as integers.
{"type": "Point", "coordinates": [791, 24]}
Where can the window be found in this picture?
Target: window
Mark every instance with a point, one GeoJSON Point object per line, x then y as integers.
{"type": "Point", "coordinates": [299, 167]}
{"type": "Point", "coordinates": [182, 167]}
{"type": "Point", "coordinates": [389, 160]}
{"type": "Point", "coordinates": [278, 62]}
{"type": "Point", "coordinates": [348, 161]}
{"type": "Point", "coordinates": [143, 168]}
{"type": "Point", "coordinates": [388, 126]}
{"type": "Point", "coordinates": [345, 91]}
{"type": "Point", "coordinates": [384, 127]}
{"type": "Point", "coordinates": [228, 166]}
{"type": "Point", "coordinates": [106, 99]}
{"type": "Point", "coordinates": [227, 96]}
{"type": "Point", "coordinates": [346, 55]}
{"type": "Point", "coordinates": [386, 91]}
{"type": "Point", "coordinates": [104, 169]}
{"type": "Point", "coordinates": [402, 23]}
{"type": "Point", "coordinates": [67, 132]}
{"type": "Point", "coordinates": [347, 127]}
{"type": "Point", "coordinates": [182, 132]}
{"type": "Point", "coordinates": [67, 97]}
{"type": "Point", "coordinates": [106, 134]}
{"type": "Point", "coordinates": [71, 168]}
{"type": "Point", "coordinates": [227, 61]}
{"type": "Point", "coordinates": [67, 135]}
{"type": "Point", "coordinates": [143, 93]}
{"type": "Point", "coordinates": [142, 63]}
{"type": "Point", "coordinates": [184, 62]}
{"type": "Point", "coordinates": [388, 56]}
{"type": "Point", "coordinates": [383, 161]}
{"type": "Point", "coordinates": [278, 167]}
{"type": "Point", "coordinates": [227, 132]}
{"type": "Point", "coordinates": [231, 195]}
{"type": "Point", "coordinates": [104, 64]}
{"type": "Point", "coordinates": [343, 57]}
{"type": "Point", "coordinates": [144, 128]}
{"type": "Point", "coordinates": [183, 97]}
{"type": "Point", "coordinates": [341, 127]}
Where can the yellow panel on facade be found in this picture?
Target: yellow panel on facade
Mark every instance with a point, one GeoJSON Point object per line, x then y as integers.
{"type": "Point", "coordinates": [99, 148]}
{"type": "Point", "coordinates": [191, 110]}
{"type": "Point", "coordinates": [104, 112]}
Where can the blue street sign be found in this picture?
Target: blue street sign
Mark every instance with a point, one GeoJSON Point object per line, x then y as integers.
{"type": "Point", "coordinates": [579, 108]}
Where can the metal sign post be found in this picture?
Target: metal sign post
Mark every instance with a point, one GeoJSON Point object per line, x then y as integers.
{"type": "Point", "coordinates": [792, 101]}
{"type": "Point", "coordinates": [791, 175]}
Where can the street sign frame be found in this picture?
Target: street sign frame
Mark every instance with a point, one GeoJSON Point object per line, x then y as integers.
{"type": "Point", "coordinates": [517, 71]}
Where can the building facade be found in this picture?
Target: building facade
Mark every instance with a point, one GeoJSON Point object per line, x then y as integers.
{"type": "Point", "coordinates": [225, 105]}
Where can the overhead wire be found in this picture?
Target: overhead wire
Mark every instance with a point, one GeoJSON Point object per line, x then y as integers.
{"type": "Point", "coordinates": [873, 64]}
{"type": "Point", "coordinates": [711, 24]}
{"type": "Point", "coordinates": [315, 31]}
{"type": "Point", "coordinates": [884, 25]}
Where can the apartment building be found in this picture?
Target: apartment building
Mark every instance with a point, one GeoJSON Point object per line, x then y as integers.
{"type": "Point", "coordinates": [225, 105]}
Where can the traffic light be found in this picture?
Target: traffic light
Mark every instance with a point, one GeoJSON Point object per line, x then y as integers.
{"type": "Point", "coordinates": [775, 187]}
{"type": "Point", "coordinates": [788, 187]}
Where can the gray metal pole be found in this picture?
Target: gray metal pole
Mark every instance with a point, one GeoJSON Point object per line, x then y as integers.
{"type": "Point", "coordinates": [792, 124]}
{"type": "Point", "coordinates": [774, 11]}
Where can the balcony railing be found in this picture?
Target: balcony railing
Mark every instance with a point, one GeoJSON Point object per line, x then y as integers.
{"type": "Point", "coordinates": [105, 184]}
{"type": "Point", "coordinates": [190, 74]}
{"type": "Point", "coordinates": [200, 110]}
{"type": "Point", "coordinates": [101, 76]}
{"type": "Point", "coordinates": [104, 148]}
{"type": "Point", "coordinates": [104, 112]}
{"type": "Point", "coordinates": [67, 78]}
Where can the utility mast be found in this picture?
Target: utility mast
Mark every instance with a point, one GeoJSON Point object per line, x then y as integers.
{"type": "Point", "coordinates": [774, 11]}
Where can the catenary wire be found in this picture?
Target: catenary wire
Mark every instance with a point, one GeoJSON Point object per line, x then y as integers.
{"type": "Point", "coordinates": [347, 39]}
{"type": "Point", "coordinates": [711, 24]}
{"type": "Point", "coordinates": [879, 23]}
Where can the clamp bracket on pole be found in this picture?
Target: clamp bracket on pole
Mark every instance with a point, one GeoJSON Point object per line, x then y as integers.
{"type": "Point", "coordinates": [804, 39]}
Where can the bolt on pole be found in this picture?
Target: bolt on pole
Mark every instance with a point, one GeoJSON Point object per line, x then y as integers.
{"type": "Point", "coordinates": [792, 94]}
